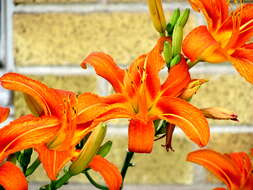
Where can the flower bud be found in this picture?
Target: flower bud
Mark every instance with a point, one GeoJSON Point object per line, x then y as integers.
{"type": "Point", "coordinates": [167, 52]}
{"type": "Point", "coordinates": [177, 38]}
{"type": "Point", "coordinates": [219, 113]}
{"type": "Point", "coordinates": [170, 26]}
{"type": "Point", "coordinates": [175, 60]}
{"type": "Point", "coordinates": [184, 18]}
{"type": "Point", "coordinates": [192, 88]}
{"type": "Point", "coordinates": [89, 150]}
{"type": "Point", "coordinates": [157, 15]}
{"type": "Point", "coordinates": [105, 149]}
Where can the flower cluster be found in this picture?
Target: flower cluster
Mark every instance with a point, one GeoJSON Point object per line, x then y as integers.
{"type": "Point", "coordinates": [66, 127]}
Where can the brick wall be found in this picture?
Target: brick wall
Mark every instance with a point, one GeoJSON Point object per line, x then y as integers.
{"type": "Point", "coordinates": [51, 38]}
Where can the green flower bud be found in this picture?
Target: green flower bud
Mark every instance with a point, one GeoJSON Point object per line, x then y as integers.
{"type": "Point", "coordinates": [105, 149]}
{"type": "Point", "coordinates": [177, 38]}
{"type": "Point", "coordinates": [167, 52]}
{"type": "Point", "coordinates": [89, 150]}
{"type": "Point", "coordinates": [184, 18]}
{"type": "Point", "coordinates": [175, 60]}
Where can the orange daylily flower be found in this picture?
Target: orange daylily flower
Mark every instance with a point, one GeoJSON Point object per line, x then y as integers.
{"type": "Point", "coordinates": [53, 134]}
{"type": "Point", "coordinates": [141, 97]}
{"type": "Point", "coordinates": [8, 171]}
{"type": "Point", "coordinates": [235, 169]}
{"type": "Point", "coordinates": [226, 38]}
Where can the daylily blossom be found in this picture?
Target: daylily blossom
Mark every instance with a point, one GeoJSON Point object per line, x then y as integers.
{"type": "Point", "coordinates": [12, 178]}
{"type": "Point", "coordinates": [140, 96]}
{"type": "Point", "coordinates": [235, 169]}
{"type": "Point", "coordinates": [225, 38]}
{"type": "Point", "coordinates": [8, 170]}
{"type": "Point", "coordinates": [53, 133]}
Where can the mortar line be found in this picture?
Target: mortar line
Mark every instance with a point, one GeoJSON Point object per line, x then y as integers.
{"type": "Point", "coordinates": [123, 130]}
{"type": "Point", "coordinates": [9, 8]}
{"type": "Point", "coordinates": [92, 7]}
{"type": "Point", "coordinates": [55, 70]}
{"type": "Point", "coordinates": [70, 70]}
{"type": "Point", "coordinates": [102, 86]}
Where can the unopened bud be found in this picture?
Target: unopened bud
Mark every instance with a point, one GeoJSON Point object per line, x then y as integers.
{"type": "Point", "coordinates": [105, 149]}
{"type": "Point", "coordinates": [192, 88]}
{"type": "Point", "coordinates": [167, 52]}
{"type": "Point", "coordinates": [175, 60]}
{"type": "Point", "coordinates": [184, 18]}
{"type": "Point", "coordinates": [157, 15]}
{"type": "Point", "coordinates": [173, 21]}
{"type": "Point", "coordinates": [219, 113]}
{"type": "Point", "coordinates": [177, 38]}
{"type": "Point", "coordinates": [89, 150]}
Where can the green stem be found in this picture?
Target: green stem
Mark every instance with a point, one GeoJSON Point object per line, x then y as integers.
{"type": "Point", "coordinates": [63, 180]}
{"type": "Point", "coordinates": [33, 167]}
{"type": "Point", "coordinates": [127, 163]}
{"type": "Point", "coordinates": [93, 182]}
{"type": "Point", "coordinates": [58, 183]}
{"type": "Point", "coordinates": [192, 64]}
{"type": "Point", "coordinates": [162, 34]}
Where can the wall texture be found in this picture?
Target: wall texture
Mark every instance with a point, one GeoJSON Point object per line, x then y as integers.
{"type": "Point", "coordinates": [47, 33]}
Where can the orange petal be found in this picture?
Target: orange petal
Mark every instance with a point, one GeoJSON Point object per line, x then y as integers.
{"type": "Point", "coordinates": [219, 188]}
{"type": "Point", "coordinates": [92, 107]}
{"type": "Point", "coordinates": [106, 68]}
{"type": "Point", "coordinates": [11, 177]}
{"type": "Point", "coordinates": [4, 113]}
{"type": "Point", "coordinates": [89, 107]}
{"type": "Point", "coordinates": [187, 117]}
{"type": "Point", "coordinates": [140, 136]}
{"type": "Point", "coordinates": [177, 81]}
{"type": "Point", "coordinates": [200, 45]}
{"type": "Point", "coordinates": [44, 96]}
{"type": "Point", "coordinates": [133, 75]}
{"type": "Point", "coordinates": [53, 160]}
{"type": "Point", "coordinates": [215, 11]}
{"type": "Point", "coordinates": [243, 162]}
{"type": "Point", "coordinates": [242, 59]}
{"type": "Point", "coordinates": [109, 172]}
{"type": "Point", "coordinates": [220, 165]}
{"type": "Point", "coordinates": [155, 63]}
{"type": "Point", "coordinates": [243, 23]}
{"type": "Point", "coordinates": [26, 132]}
{"type": "Point", "coordinates": [66, 132]}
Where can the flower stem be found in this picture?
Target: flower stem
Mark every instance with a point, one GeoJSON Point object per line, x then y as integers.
{"type": "Point", "coordinates": [63, 180]}
{"type": "Point", "coordinates": [192, 64]}
{"type": "Point", "coordinates": [33, 167]}
{"type": "Point", "coordinates": [127, 163]}
{"type": "Point", "coordinates": [93, 182]}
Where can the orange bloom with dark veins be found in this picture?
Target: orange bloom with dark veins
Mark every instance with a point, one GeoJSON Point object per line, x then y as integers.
{"type": "Point", "coordinates": [141, 97]}
{"type": "Point", "coordinates": [53, 132]}
{"type": "Point", "coordinates": [225, 38]}
{"type": "Point", "coordinates": [235, 169]}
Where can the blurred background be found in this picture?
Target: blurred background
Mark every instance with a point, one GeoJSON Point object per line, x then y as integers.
{"type": "Point", "coordinates": [48, 39]}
